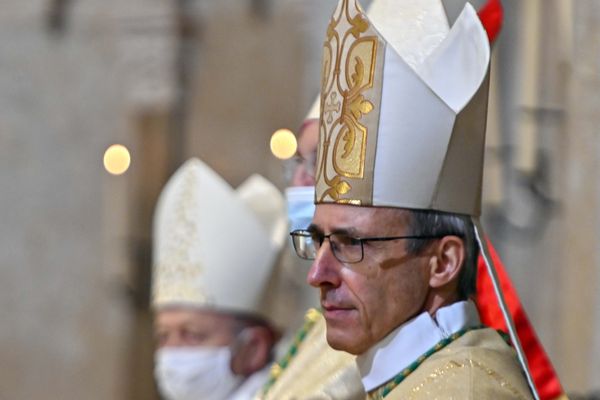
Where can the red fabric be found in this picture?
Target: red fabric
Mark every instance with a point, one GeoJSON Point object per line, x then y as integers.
{"type": "Point", "coordinates": [491, 16]}
{"type": "Point", "coordinates": [542, 371]}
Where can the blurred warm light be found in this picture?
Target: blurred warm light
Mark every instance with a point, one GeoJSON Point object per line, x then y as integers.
{"type": "Point", "coordinates": [283, 144]}
{"type": "Point", "coordinates": [117, 159]}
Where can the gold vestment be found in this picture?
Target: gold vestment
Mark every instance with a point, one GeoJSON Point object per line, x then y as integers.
{"type": "Point", "coordinates": [316, 371]}
{"type": "Point", "coordinates": [478, 365]}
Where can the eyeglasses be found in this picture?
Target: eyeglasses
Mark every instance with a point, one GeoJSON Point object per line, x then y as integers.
{"type": "Point", "coordinates": [345, 248]}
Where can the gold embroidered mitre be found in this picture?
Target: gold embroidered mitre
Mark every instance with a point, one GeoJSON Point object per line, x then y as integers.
{"type": "Point", "coordinates": [214, 246]}
{"type": "Point", "coordinates": [402, 131]}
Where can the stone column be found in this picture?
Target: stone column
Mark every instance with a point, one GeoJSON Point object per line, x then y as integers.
{"type": "Point", "coordinates": [579, 292]}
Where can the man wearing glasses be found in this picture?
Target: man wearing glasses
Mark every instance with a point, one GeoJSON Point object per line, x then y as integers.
{"type": "Point", "coordinates": [394, 238]}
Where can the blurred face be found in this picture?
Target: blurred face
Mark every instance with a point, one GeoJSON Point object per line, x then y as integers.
{"type": "Point", "coordinates": [365, 301]}
{"type": "Point", "coordinates": [188, 327]}
{"type": "Point", "coordinates": [303, 174]}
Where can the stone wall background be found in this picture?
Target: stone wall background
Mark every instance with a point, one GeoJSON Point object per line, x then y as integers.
{"type": "Point", "coordinates": [214, 79]}
{"type": "Point", "coordinates": [541, 171]}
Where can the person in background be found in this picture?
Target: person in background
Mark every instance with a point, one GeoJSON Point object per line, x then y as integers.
{"type": "Point", "coordinates": [214, 251]}
{"type": "Point", "coordinates": [301, 168]}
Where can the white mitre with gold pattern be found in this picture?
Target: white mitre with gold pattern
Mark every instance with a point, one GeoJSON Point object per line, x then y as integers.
{"type": "Point", "coordinates": [402, 132]}
{"type": "Point", "coordinates": [215, 247]}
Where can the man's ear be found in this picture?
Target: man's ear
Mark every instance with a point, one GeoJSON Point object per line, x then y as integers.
{"type": "Point", "coordinates": [447, 261]}
{"type": "Point", "coordinates": [252, 350]}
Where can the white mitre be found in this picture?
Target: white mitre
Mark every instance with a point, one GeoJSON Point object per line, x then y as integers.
{"type": "Point", "coordinates": [215, 247]}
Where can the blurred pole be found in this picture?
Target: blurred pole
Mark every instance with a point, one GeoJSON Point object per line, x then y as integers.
{"type": "Point", "coordinates": [149, 48]}
{"type": "Point", "coordinates": [151, 129]}
{"type": "Point", "coordinates": [57, 16]}
{"type": "Point", "coordinates": [186, 53]}
{"type": "Point", "coordinates": [158, 123]}
{"type": "Point", "coordinates": [261, 8]}
{"type": "Point", "coordinates": [530, 103]}
{"type": "Point", "coordinates": [580, 289]}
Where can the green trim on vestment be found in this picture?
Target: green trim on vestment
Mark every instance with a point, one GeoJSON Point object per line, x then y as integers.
{"type": "Point", "coordinates": [382, 391]}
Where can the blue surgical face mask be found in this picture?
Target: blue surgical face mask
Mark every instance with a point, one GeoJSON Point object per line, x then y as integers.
{"type": "Point", "coordinates": [300, 205]}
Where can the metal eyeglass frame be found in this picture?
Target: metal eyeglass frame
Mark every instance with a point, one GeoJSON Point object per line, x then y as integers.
{"type": "Point", "coordinates": [303, 233]}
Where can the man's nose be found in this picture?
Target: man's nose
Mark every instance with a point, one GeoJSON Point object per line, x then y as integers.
{"type": "Point", "coordinates": [324, 270]}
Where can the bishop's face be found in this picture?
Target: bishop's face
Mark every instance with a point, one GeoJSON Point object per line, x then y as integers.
{"type": "Point", "coordinates": [363, 302]}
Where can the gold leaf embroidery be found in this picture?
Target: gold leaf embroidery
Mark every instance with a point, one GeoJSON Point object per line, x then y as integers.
{"type": "Point", "coordinates": [359, 25]}
{"type": "Point", "coordinates": [359, 72]}
{"type": "Point", "coordinates": [359, 106]}
{"type": "Point", "coordinates": [337, 187]}
{"type": "Point", "coordinates": [343, 187]}
{"type": "Point", "coordinates": [331, 29]}
{"type": "Point", "coordinates": [349, 137]}
{"type": "Point", "coordinates": [349, 63]}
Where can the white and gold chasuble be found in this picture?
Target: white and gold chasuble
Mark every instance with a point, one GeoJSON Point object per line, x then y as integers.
{"type": "Point", "coordinates": [477, 365]}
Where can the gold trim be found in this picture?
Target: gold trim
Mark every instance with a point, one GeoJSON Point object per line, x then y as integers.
{"type": "Point", "coordinates": [353, 133]}
{"type": "Point", "coordinates": [178, 275]}
{"type": "Point", "coordinates": [344, 103]}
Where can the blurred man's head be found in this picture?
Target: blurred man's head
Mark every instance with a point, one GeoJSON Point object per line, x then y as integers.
{"type": "Point", "coordinates": [303, 164]}
{"type": "Point", "coordinates": [195, 327]}
{"type": "Point", "coordinates": [191, 327]}
{"type": "Point", "coordinates": [207, 354]}
{"type": "Point", "coordinates": [214, 250]}
{"type": "Point", "coordinates": [300, 171]}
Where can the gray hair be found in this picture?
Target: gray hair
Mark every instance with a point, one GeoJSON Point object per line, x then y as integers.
{"type": "Point", "coordinates": [436, 223]}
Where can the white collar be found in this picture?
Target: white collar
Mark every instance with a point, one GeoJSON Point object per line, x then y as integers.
{"type": "Point", "coordinates": [410, 340]}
